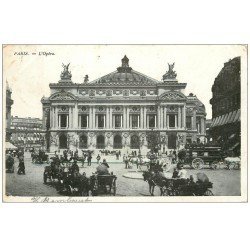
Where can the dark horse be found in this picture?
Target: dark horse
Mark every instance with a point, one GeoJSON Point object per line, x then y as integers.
{"type": "Point", "coordinates": [155, 179]}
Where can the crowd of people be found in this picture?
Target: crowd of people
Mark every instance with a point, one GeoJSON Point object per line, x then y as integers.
{"type": "Point", "coordinates": [10, 161]}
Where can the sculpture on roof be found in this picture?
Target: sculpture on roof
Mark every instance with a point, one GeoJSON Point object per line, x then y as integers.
{"type": "Point", "coordinates": [66, 74]}
{"type": "Point", "coordinates": [86, 79]}
{"type": "Point", "coordinates": [170, 74]}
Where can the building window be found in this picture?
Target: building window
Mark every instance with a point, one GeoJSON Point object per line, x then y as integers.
{"type": "Point", "coordinates": [188, 122]}
{"type": "Point", "coordinates": [151, 121]}
{"type": "Point", "coordinates": [83, 141]}
{"type": "Point", "coordinates": [172, 121]}
{"type": "Point", "coordinates": [83, 121]}
{"type": "Point", "coordinates": [118, 121]}
{"type": "Point", "coordinates": [100, 142]}
{"type": "Point", "coordinates": [63, 121]}
{"type": "Point", "coordinates": [135, 121]}
{"type": "Point", "coordinates": [101, 121]}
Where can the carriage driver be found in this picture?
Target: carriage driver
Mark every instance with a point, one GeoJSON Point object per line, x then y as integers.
{"type": "Point", "coordinates": [182, 173]}
{"type": "Point", "coordinates": [74, 168]}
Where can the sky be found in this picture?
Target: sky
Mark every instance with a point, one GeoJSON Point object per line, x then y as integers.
{"type": "Point", "coordinates": [29, 75]}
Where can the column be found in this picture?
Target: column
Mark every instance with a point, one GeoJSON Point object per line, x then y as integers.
{"type": "Point", "coordinates": [44, 119]}
{"type": "Point", "coordinates": [111, 117]}
{"type": "Point", "coordinates": [179, 117]}
{"type": "Point", "coordinates": [184, 116]}
{"type": "Point", "coordinates": [167, 121]}
{"type": "Point", "coordinates": [90, 118]}
{"type": "Point", "coordinates": [76, 116]}
{"type": "Point", "coordinates": [104, 121]}
{"type": "Point", "coordinates": [79, 121]}
{"type": "Point", "coordinates": [51, 117]}
{"type": "Point", "coordinates": [70, 118]}
{"type": "Point", "coordinates": [145, 117]}
{"type": "Point", "coordinates": [175, 121]}
{"type": "Point", "coordinates": [87, 121]}
{"type": "Point", "coordinates": [194, 119]}
{"type": "Point", "coordinates": [124, 117]}
{"type": "Point", "coordinates": [128, 123]}
{"type": "Point", "coordinates": [141, 118]}
{"type": "Point", "coordinates": [203, 125]}
{"type": "Point", "coordinates": [67, 124]}
{"type": "Point", "coordinates": [158, 117]}
{"type": "Point", "coordinates": [59, 121]}
{"type": "Point", "coordinates": [93, 117]}
{"type": "Point", "coordinates": [108, 125]}
{"type": "Point", "coordinates": [164, 117]}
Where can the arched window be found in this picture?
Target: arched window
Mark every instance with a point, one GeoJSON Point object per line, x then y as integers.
{"type": "Point", "coordinates": [83, 141]}
{"type": "Point", "coordinates": [135, 142]}
{"type": "Point", "coordinates": [117, 142]}
{"type": "Point", "coordinates": [63, 141]}
{"type": "Point", "coordinates": [100, 142]}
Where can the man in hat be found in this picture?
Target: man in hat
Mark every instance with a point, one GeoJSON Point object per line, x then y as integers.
{"type": "Point", "coordinates": [74, 167]}
{"type": "Point", "coordinates": [182, 173]}
{"type": "Point", "coordinates": [103, 168]}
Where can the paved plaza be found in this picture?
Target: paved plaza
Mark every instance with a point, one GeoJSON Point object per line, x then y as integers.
{"type": "Point", "coordinates": [225, 182]}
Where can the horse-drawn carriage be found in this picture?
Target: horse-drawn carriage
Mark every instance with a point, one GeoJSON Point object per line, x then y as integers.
{"type": "Point", "coordinates": [39, 158]}
{"type": "Point", "coordinates": [198, 156]}
{"type": "Point", "coordinates": [103, 184]}
{"type": "Point", "coordinates": [179, 187]}
{"type": "Point", "coordinates": [71, 182]}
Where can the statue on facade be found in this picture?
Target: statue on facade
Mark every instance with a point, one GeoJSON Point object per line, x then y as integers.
{"type": "Point", "coordinates": [66, 74]}
{"type": "Point", "coordinates": [170, 74]}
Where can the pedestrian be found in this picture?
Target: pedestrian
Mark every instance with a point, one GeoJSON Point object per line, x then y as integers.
{"type": "Point", "coordinates": [21, 166]}
{"type": "Point", "coordinates": [117, 155]}
{"type": "Point", "coordinates": [83, 159]}
{"type": "Point", "coordinates": [89, 159]}
{"type": "Point", "coordinates": [98, 158]}
{"type": "Point", "coordinates": [124, 156]}
{"type": "Point", "coordinates": [126, 162]}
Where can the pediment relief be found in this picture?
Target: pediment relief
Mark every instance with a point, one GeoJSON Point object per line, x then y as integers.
{"type": "Point", "coordinates": [172, 96]}
{"type": "Point", "coordinates": [63, 95]}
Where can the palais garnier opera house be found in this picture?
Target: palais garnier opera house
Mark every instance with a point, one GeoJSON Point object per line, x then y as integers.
{"type": "Point", "coordinates": [122, 110]}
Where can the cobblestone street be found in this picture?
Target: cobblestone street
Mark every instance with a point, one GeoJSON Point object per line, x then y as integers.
{"type": "Point", "coordinates": [225, 182]}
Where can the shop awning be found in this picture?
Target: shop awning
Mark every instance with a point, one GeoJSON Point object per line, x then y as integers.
{"type": "Point", "coordinates": [231, 136]}
{"type": "Point", "coordinates": [220, 120]}
{"type": "Point", "coordinates": [234, 146]}
{"type": "Point", "coordinates": [232, 117]}
{"type": "Point", "coordinates": [237, 116]}
{"type": "Point", "coordinates": [9, 145]}
{"type": "Point", "coordinates": [224, 119]}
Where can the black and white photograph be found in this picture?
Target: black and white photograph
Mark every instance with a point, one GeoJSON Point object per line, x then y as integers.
{"type": "Point", "coordinates": [124, 123]}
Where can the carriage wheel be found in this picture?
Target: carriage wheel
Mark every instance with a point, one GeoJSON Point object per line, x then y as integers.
{"type": "Point", "coordinates": [214, 165]}
{"type": "Point", "coordinates": [231, 166]}
{"type": "Point", "coordinates": [197, 163]}
{"type": "Point", "coordinates": [45, 177]}
{"type": "Point", "coordinates": [208, 193]}
{"type": "Point", "coordinates": [236, 166]}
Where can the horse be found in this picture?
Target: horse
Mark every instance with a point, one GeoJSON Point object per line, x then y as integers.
{"type": "Point", "coordinates": [155, 179]}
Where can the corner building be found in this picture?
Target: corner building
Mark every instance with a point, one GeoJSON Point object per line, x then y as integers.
{"type": "Point", "coordinates": [120, 110]}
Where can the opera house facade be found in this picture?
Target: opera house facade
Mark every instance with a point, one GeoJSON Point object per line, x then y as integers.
{"type": "Point", "coordinates": [124, 110]}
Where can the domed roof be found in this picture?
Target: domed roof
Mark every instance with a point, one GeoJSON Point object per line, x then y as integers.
{"type": "Point", "coordinates": [124, 76]}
